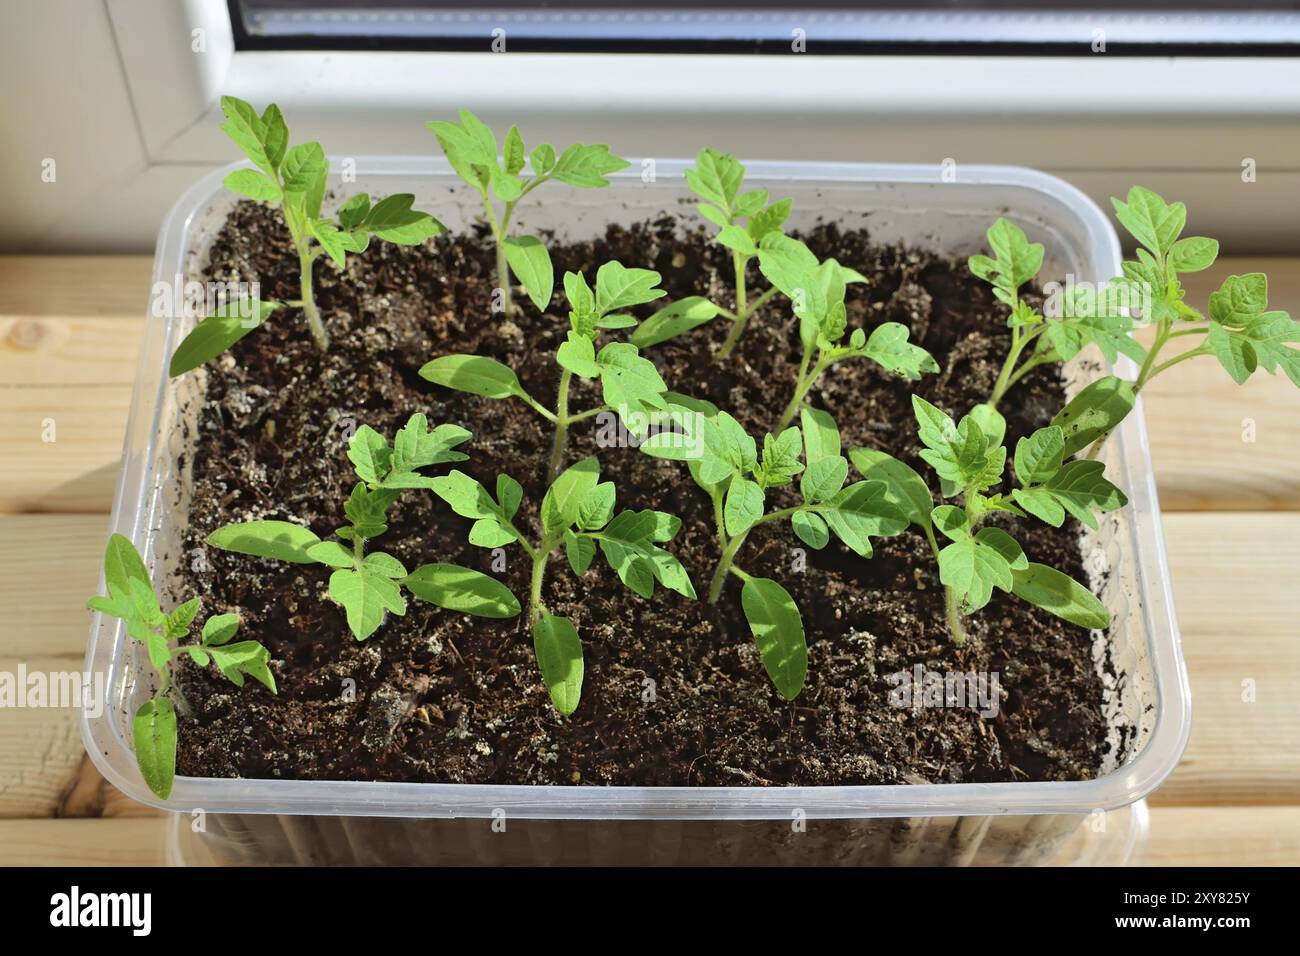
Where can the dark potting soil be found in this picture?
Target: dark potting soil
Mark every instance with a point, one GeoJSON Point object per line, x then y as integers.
{"type": "Point", "coordinates": [675, 693]}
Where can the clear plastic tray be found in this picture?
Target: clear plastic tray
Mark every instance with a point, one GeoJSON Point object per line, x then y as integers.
{"type": "Point", "coordinates": [1147, 695]}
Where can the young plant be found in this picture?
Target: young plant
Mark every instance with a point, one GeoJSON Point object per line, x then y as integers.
{"type": "Point", "coordinates": [747, 225]}
{"type": "Point", "coordinates": [724, 461]}
{"type": "Point", "coordinates": [1073, 319]}
{"type": "Point", "coordinates": [295, 179]}
{"type": "Point", "coordinates": [471, 148]}
{"type": "Point", "coordinates": [1240, 330]}
{"type": "Point", "coordinates": [368, 586]}
{"type": "Point", "coordinates": [131, 598]}
{"type": "Point", "coordinates": [630, 384]}
{"type": "Point", "coordinates": [969, 458]}
{"type": "Point", "coordinates": [578, 512]}
{"type": "Point", "coordinates": [817, 290]}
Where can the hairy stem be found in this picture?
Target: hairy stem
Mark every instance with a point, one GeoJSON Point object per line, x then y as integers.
{"type": "Point", "coordinates": [305, 262]}
{"type": "Point", "coordinates": [1009, 374]}
{"type": "Point", "coordinates": [952, 609]}
{"type": "Point", "coordinates": [540, 557]}
{"type": "Point", "coordinates": [561, 427]}
{"type": "Point", "coordinates": [806, 380]}
{"type": "Point", "coordinates": [742, 312]}
{"type": "Point", "coordinates": [503, 266]}
{"type": "Point", "coordinates": [724, 565]}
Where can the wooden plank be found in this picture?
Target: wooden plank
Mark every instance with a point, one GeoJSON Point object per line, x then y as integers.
{"type": "Point", "coordinates": [1234, 587]}
{"type": "Point", "coordinates": [1236, 611]}
{"type": "Point", "coordinates": [75, 285]}
{"type": "Point", "coordinates": [1179, 836]}
{"type": "Point", "coordinates": [61, 446]}
{"type": "Point", "coordinates": [1223, 836]}
{"type": "Point", "coordinates": [124, 842]}
{"type": "Point", "coordinates": [49, 568]}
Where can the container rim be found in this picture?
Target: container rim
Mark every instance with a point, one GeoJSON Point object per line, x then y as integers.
{"type": "Point", "coordinates": [1127, 784]}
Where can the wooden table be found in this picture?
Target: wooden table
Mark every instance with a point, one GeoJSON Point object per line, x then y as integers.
{"type": "Point", "coordinates": [70, 331]}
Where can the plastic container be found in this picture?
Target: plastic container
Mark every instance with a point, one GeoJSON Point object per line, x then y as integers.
{"type": "Point", "coordinates": [284, 821]}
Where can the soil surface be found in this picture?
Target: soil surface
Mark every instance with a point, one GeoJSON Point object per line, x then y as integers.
{"type": "Point", "coordinates": [675, 693]}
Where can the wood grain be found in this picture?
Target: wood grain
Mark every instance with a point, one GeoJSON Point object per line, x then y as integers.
{"type": "Point", "coordinates": [119, 842]}
{"type": "Point", "coordinates": [1223, 836]}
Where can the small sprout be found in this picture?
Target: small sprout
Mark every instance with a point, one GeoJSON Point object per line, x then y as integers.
{"type": "Point", "coordinates": [471, 148]}
{"type": "Point", "coordinates": [369, 586]}
{"type": "Point", "coordinates": [295, 179]}
{"type": "Point", "coordinates": [817, 290]}
{"type": "Point", "coordinates": [132, 599]}
{"type": "Point", "coordinates": [630, 383]}
{"type": "Point", "coordinates": [744, 220]}
{"type": "Point", "coordinates": [577, 512]}
{"type": "Point", "coordinates": [1084, 318]}
{"type": "Point", "coordinates": [736, 477]}
{"type": "Point", "coordinates": [969, 457]}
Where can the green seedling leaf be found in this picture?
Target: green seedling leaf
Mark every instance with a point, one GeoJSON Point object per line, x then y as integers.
{"type": "Point", "coordinates": [823, 478]}
{"type": "Point", "coordinates": [218, 332]}
{"type": "Point", "coordinates": [1061, 595]}
{"type": "Point", "coordinates": [254, 185]}
{"type": "Point", "coordinates": [123, 564]}
{"type": "Point", "coordinates": [959, 454]}
{"type": "Point", "coordinates": [904, 488]}
{"type": "Point", "coordinates": [1193, 254]}
{"type": "Point", "coordinates": [393, 220]}
{"type": "Point", "coordinates": [561, 506]}
{"type": "Point", "coordinates": [618, 287]}
{"type": "Point", "coordinates": [305, 171]}
{"type": "Point", "coordinates": [630, 542]}
{"type": "Point", "coordinates": [1017, 261]}
{"type": "Point", "coordinates": [973, 564]}
{"type": "Point", "coordinates": [1150, 220]}
{"type": "Point", "coordinates": [153, 731]}
{"type": "Point", "coordinates": [465, 590]}
{"type": "Point", "coordinates": [1094, 412]}
{"type": "Point", "coordinates": [673, 320]}
{"type": "Point", "coordinates": [716, 178]}
{"type": "Point", "coordinates": [578, 354]}
{"type": "Point", "coordinates": [888, 347]}
{"type": "Point", "coordinates": [244, 658]}
{"type": "Point", "coordinates": [586, 166]}
{"type": "Point", "coordinates": [559, 657]}
{"type": "Point", "coordinates": [821, 436]}
{"type": "Point", "coordinates": [220, 628]}
{"type": "Point", "coordinates": [365, 595]}
{"type": "Point", "coordinates": [580, 550]}
{"type": "Point", "coordinates": [744, 505]}
{"type": "Point", "coordinates": [279, 540]}
{"type": "Point", "coordinates": [780, 461]}
{"type": "Point", "coordinates": [629, 383]}
{"type": "Point", "coordinates": [861, 511]}
{"type": "Point", "coordinates": [1079, 488]}
{"type": "Point", "coordinates": [1038, 457]}
{"type": "Point", "coordinates": [475, 374]}
{"type": "Point", "coordinates": [811, 529]}
{"type": "Point", "coordinates": [531, 265]}
{"type": "Point", "coordinates": [777, 627]}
